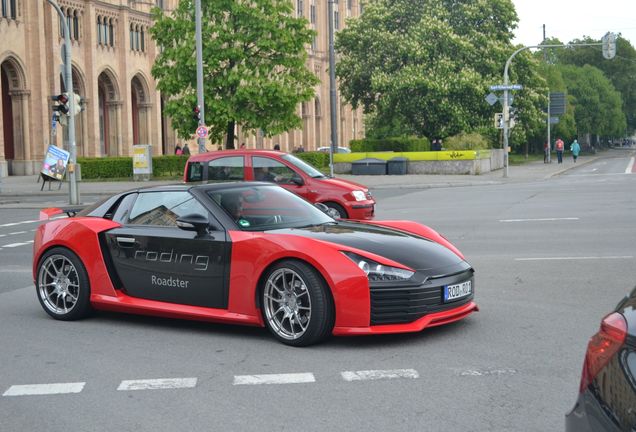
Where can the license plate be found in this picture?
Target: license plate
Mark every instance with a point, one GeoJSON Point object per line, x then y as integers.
{"type": "Point", "coordinates": [454, 292]}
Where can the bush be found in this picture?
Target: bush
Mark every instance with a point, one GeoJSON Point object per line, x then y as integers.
{"type": "Point", "coordinates": [463, 141]}
{"type": "Point", "coordinates": [318, 159]}
{"type": "Point", "coordinates": [396, 144]}
{"type": "Point", "coordinates": [122, 167]}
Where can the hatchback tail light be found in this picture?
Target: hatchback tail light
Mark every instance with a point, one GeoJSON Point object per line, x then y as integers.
{"type": "Point", "coordinates": [602, 346]}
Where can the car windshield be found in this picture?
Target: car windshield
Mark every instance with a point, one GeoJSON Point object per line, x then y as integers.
{"type": "Point", "coordinates": [303, 166]}
{"type": "Point", "coordinates": [267, 207]}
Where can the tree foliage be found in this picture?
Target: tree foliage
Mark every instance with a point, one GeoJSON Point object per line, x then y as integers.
{"type": "Point", "coordinates": [597, 105]}
{"type": "Point", "coordinates": [427, 64]}
{"type": "Point", "coordinates": [254, 66]}
{"type": "Point", "coordinates": [620, 70]}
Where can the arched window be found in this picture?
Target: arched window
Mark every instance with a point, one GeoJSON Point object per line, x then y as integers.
{"type": "Point", "coordinates": [137, 38]}
{"type": "Point", "coordinates": [14, 9]}
{"type": "Point", "coordinates": [143, 40]}
{"type": "Point", "coordinates": [111, 32]}
{"type": "Point", "coordinates": [69, 23]}
{"type": "Point", "coordinates": [5, 6]}
{"type": "Point", "coordinates": [132, 38]}
{"type": "Point", "coordinates": [99, 30]}
{"type": "Point", "coordinates": [75, 26]}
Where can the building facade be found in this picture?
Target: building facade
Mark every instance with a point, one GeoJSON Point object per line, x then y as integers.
{"type": "Point", "coordinates": [112, 56]}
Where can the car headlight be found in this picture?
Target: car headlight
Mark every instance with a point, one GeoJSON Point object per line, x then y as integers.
{"type": "Point", "coordinates": [377, 272]}
{"type": "Point", "coordinates": [359, 195]}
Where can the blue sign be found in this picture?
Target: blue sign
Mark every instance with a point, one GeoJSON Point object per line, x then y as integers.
{"type": "Point", "coordinates": [501, 87]}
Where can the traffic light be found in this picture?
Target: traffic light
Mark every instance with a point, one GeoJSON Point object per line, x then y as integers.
{"type": "Point", "coordinates": [513, 117]}
{"type": "Point", "coordinates": [61, 103]}
{"type": "Point", "coordinates": [196, 114]}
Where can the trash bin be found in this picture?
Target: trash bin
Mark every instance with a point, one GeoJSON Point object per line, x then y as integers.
{"type": "Point", "coordinates": [368, 166]}
{"type": "Point", "coordinates": [397, 166]}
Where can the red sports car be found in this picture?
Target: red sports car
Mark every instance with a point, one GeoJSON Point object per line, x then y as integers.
{"type": "Point", "coordinates": [345, 199]}
{"type": "Point", "coordinates": [249, 253]}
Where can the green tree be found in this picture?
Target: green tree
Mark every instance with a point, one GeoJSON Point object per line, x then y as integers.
{"type": "Point", "coordinates": [620, 70]}
{"type": "Point", "coordinates": [597, 104]}
{"type": "Point", "coordinates": [254, 66]}
{"type": "Point", "coordinates": [427, 65]}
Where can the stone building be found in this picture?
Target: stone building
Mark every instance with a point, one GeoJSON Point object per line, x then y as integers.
{"type": "Point", "coordinates": [113, 54]}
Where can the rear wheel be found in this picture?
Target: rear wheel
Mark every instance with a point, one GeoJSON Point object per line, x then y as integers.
{"type": "Point", "coordinates": [62, 285]}
{"type": "Point", "coordinates": [296, 305]}
{"type": "Point", "coordinates": [336, 211]}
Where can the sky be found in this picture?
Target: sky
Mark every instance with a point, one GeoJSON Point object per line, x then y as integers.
{"type": "Point", "coordinates": [570, 19]}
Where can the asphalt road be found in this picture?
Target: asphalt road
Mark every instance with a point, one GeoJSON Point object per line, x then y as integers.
{"type": "Point", "coordinates": [552, 258]}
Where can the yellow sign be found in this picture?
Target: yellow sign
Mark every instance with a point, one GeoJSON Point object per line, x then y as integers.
{"type": "Point", "coordinates": [140, 158]}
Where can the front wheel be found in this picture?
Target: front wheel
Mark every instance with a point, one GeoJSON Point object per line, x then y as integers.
{"type": "Point", "coordinates": [336, 211]}
{"type": "Point", "coordinates": [62, 285]}
{"type": "Point", "coordinates": [296, 305]}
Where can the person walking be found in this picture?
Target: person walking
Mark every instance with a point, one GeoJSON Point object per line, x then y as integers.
{"type": "Point", "coordinates": [559, 145]}
{"type": "Point", "coordinates": [575, 148]}
{"type": "Point", "coordinates": [177, 150]}
{"type": "Point", "coordinates": [186, 150]}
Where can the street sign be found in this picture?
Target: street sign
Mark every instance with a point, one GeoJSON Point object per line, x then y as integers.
{"type": "Point", "coordinates": [609, 45]}
{"type": "Point", "coordinates": [202, 132]}
{"type": "Point", "coordinates": [492, 99]}
{"type": "Point", "coordinates": [511, 99]}
{"type": "Point", "coordinates": [557, 103]}
{"type": "Point", "coordinates": [500, 87]}
{"type": "Point", "coordinates": [554, 120]}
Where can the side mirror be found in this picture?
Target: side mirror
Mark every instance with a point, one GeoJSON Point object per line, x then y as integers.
{"type": "Point", "coordinates": [323, 208]}
{"type": "Point", "coordinates": [298, 181]}
{"type": "Point", "coordinates": [194, 222]}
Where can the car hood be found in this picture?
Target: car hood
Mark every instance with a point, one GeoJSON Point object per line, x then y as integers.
{"type": "Point", "coordinates": [342, 183]}
{"type": "Point", "coordinates": [418, 253]}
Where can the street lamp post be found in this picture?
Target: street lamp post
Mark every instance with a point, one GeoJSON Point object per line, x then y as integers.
{"type": "Point", "coordinates": [332, 89]}
{"type": "Point", "coordinates": [68, 80]}
{"type": "Point", "coordinates": [199, 49]}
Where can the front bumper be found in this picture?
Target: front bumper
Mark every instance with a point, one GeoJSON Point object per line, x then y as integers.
{"type": "Point", "coordinates": [362, 210]}
{"type": "Point", "coordinates": [429, 320]}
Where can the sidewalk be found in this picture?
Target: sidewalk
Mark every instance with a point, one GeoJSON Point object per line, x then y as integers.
{"type": "Point", "coordinates": [20, 189]}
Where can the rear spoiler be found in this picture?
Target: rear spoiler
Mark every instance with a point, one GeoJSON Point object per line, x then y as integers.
{"type": "Point", "coordinates": [47, 213]}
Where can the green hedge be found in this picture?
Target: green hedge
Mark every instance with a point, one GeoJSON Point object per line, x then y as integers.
{"type": "Point", "coordinates": [122, 167]}
{"type": "Point", "coordinates": [397, 144]}
{"type": "Point", "coordinates": [318, 159]}
{"type": "Point", "coordinates": [470, 141]}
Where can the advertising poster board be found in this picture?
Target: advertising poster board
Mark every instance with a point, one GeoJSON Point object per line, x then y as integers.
{"type": "Point", "coordinates": [55, 163]}
{"type": "Point", "coordinates": [142, 161]}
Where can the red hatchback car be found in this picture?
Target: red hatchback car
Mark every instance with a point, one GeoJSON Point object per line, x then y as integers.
{"type": "Point", "coordinates": [346, 199]}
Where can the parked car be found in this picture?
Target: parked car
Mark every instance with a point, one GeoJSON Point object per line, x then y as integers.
{"type": "Point", "coordinates": [339, 150]}
{"type": "Point", "coordinates": [607, 394]}
{"type": "Point", "coordinates": [345, 199]}
{"type": "Point", "coordinates": [249, 253]}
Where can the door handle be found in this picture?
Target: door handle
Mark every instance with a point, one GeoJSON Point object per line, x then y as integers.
{"type": "Point", "coordinates": [126, 241]}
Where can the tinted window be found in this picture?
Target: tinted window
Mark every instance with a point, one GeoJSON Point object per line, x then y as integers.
{"type": "Point", "coordinates": [226, 169]}
{"type": "Point", "coordinates": [268, 169]}
{"type": "Point", "coordinates": [195, 171]}
{"type": "Point", "coordinates": [163, 208]}
{"type": "Point", "coordinates": [260, 208]}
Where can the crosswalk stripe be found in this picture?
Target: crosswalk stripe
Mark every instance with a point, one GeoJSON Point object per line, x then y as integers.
{"type": "Point", "coordinates": [157, 384]}
{"type": "Point", "coordinates": [291, 378]}
{"type": "Point", "coordinates": [368, 375]}
{"type": "Point", "coordinates": [44, 389]}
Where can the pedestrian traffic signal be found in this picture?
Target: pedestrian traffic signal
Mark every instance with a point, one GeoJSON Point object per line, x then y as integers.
{"type": "Point", "coordinates": [499, 120]}
{"type": "Point", "coordinates": [196, 114]}
{"type": "Point", "coordinates": [61, 103]}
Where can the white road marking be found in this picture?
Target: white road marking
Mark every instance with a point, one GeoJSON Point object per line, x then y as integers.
{"type": "Point", "coordinates": [156, 384]}
{"type": "Point", "coordinates": [291, 378]}
{"type": "Point", "coordinates": [594, 169]}
{"type": "Point", "coordinates": [367, 375]}
{"type": "Point", "coordinates": [540, 219]}
{"type": "Point", "coordinates": [12, 245]}
{"type": "Point", "coordinates": [575, 258]}
{"type": "Point", "coordinates": [18, 223]}
{"type": "Point", "coordinates": [44, 389]}
{"type": "Point", "coordinates": [630, 166]}
{"type": "Point", "coordinates": [486, 372]}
